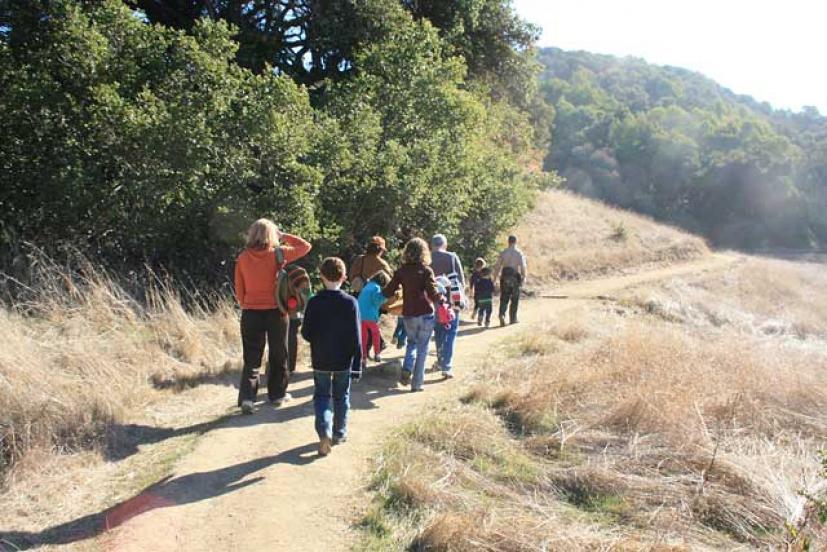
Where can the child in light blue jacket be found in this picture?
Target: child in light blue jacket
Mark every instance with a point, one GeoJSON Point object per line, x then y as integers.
{"type": "Point", "coordinates": [371, 300]}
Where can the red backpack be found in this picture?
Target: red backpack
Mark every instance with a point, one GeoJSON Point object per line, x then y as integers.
{"type": "Point", "coordinates": [445, 315]}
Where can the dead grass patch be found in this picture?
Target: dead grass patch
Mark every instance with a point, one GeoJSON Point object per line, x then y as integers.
{"type": "Point", "coordinates": [568, 237]}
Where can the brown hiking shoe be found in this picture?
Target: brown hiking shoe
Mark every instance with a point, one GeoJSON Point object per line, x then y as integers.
{"type": "Point", "coordinates": [324, 446]}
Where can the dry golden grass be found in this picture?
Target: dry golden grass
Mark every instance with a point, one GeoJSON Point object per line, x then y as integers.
{"type": "Point", "coordinates": [568, 237]}
{"type": "Point", "coordinates": [80, 355]}
{"type": "Point", "coordinates": [759, 296]}
{"type": "Point", "coordinates": [631, 432]}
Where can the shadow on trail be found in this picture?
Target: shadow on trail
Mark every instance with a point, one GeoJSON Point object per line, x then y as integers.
{"type": "Point", "coordinates": [167, 492]}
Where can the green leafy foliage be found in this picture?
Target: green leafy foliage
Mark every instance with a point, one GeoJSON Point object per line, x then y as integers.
{"type": "Point", "coordinates": [137, 142]}
{"type": "Point", "coordinates": [674, 145]}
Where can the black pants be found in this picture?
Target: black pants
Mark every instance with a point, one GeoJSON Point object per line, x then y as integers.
{"type": "Point", "coordinates": [484, 311]}
{"type": "Point", "coordinates": [257, 328]}
{"type": "Point", "coordinates": [293, 342]}
{"type": "Point", "coordinates": [509, 293]}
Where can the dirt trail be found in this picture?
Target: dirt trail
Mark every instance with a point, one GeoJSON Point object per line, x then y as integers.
{"type": "Point", "coordinates": [255, 482]}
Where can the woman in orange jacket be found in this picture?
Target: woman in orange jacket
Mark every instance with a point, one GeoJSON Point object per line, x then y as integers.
{"type": "Point", "coordinates": [256, 270]}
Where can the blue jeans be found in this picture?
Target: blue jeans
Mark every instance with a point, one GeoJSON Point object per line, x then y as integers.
{"type": "Point", "coordinates": [445, 338]}
{"type": "Point", "coordinates": [419, 330]}
{"type": "Point", "coordinates": [331, 423]}
{"type": "Point", "coordinates": [399, 332]}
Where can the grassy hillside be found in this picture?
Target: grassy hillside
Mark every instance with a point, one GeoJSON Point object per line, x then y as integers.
{"type": "Point", "coordinates": [567, 237]}
{"type": "Point", "coordinates": [629, 427]}
{"type": "Point", "coordinates": [90, 375]}
{"type": "Point", "coordinates": [688, 415]}
{"type": "Point", "coordinates": [675, 145]}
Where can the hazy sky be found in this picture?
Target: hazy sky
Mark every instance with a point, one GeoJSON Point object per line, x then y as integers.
{"type": "Point", "coordinates": [775, 51]}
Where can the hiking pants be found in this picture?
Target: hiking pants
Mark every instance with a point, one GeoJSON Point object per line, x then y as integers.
{"type": "Point", "coordinates": [370, 335]}
{"type": "Point", "coordinates": [509, 293]}
{"type": "Point", "coordinates": [257, 328]}
{"type": "Point", "coordinates": [419, 330]}
{"type": "Point", "coordinates": [445, 340]}
{"type": "Point", "coordinates": [331, 422]}
{"type": "Point", "coordinates": [293, 343]}
{"type": "Point", "coordinates": [485, 309]}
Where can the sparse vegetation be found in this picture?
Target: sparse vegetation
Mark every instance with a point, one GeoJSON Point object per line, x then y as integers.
{"type": "Point", "coordinates": [81, 355]}
{"type": "Point", "coordinates": [640, 433]}
{"type": "Point", "coordinates": [590, 239]}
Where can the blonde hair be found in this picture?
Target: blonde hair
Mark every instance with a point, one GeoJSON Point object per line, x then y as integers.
{"type": "Point", "coordinates": [263, 234]}
{"type": "Point", "coordinates": [416, 251]}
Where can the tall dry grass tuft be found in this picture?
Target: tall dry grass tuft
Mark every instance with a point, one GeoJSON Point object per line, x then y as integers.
{"type": "Point", "coordinates": [568, 237]}
{"type": "Point", "coordinates": [634, 431]}
{"type": "Point", "coordinates": [80, 353]}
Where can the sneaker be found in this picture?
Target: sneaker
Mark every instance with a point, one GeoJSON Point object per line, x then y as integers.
{"type": "Point", "coordinates": [447, 375]}
{"type": "Point", "coordinates": [417, 389]}
{"type": "Point", "coordinates": [502, 320]}
{"type": "Point", "coordinates": [436, 366]}
{"type": "Point", "coordinates": [247, 407]}
{"type": "Point", "coordinates": [405, 377]}
{"type": "Point", "coordinates": [286, 398]}
{"type": "Point", "coordinates": [487, 323]}
{"type": "Point", "coordinates": [339, 440]}
{"type": "Point", "coordinates": [324, 446]}
{"type": "Point", "coordinates": [514, 321]}
{"type": "Point", "coordinates": [377, 358]}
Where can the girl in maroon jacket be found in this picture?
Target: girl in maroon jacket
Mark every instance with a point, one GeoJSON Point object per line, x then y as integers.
{"type": "Point", "coordinates": [419, 293]}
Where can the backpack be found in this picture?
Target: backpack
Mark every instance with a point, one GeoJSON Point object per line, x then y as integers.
{"type": "Point", "coordinates": [445, 315]}
{"type": "Point", "coordinates": [358, 282]}
{"type": "Point", "coordinates": [455, 290]}
{"type": "Point", "coordinates": [510, 277]}
{"type": "Point", "coordinates": [292, 287]}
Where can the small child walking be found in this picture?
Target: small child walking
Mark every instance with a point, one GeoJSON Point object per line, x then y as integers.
{"type": "Point", "coordinates": [484, 297]}
{"type": "Point", "coordinates": [332, 327]}
{"type": "Point", "coordinates": [479, 264]}
{"type": "Point", "coordinates": [371, 300]}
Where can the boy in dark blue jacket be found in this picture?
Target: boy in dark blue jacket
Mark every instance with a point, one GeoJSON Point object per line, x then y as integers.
{"type": "Point", "coordinates": [332, 327]}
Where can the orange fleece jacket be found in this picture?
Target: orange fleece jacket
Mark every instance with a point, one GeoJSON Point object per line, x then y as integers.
{"type": "Point", "coordinates": [255, 273]}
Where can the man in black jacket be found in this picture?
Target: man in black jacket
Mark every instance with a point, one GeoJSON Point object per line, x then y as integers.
{"type": "Point", "coordinates": [333, 329]}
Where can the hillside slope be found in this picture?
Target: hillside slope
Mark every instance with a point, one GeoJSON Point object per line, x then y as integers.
{"type": "Point", "coordinates": [568, 237]}
{"type": "Point", "coordinates": [674, 144]}
{"type": "Point", "coordinates": [115, 392]}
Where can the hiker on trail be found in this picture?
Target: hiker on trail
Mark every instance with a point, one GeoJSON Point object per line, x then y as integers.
{"type": "Point", "coordinates": [479, 264]}
{"type": "Point", "coordinates": [371, 300]}
{"type": "Point", "coordinates": [484, 297]}
{"type": "Point", "coordinates": [447, 264]}
{"type": "Point", "coordinates": [419, 293]}
{"type": "Point", "coordinates": [512, 272]}
{"type": "Point", "coordinates": [365, 266]}
{"type": "Point", "coordinates": [261, 320]}
{"type": "Point", "coordinates": [332, 327]}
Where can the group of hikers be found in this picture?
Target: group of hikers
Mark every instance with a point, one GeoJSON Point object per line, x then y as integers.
{"type": "Point", "coordinates": [427, 293]}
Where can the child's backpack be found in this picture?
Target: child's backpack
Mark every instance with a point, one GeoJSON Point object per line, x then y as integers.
{"type": "Point", "coordinates": [445, 315]}
{"type": "Point", "coordinates": [358, 282]}
{"type": "Point", "coordinates": [292, 287]}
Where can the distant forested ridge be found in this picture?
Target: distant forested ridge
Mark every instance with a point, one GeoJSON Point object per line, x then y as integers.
{"type": "Point", "coordinates": [155, 131]}
{"type": "Point", "coordinates": [673, 144]}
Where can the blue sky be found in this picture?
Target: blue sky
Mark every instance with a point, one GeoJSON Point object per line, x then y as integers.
{"type": "Point", "coordinates": [775, 51]}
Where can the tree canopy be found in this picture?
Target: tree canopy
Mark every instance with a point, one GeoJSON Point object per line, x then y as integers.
{"type": "Point", "coordinates": [675, 145]}
{"type": "Point", "coordinates": [159, 142]}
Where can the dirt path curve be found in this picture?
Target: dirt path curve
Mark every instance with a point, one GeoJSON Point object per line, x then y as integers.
{"type": "Point", "coordinates": [255, 482]}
